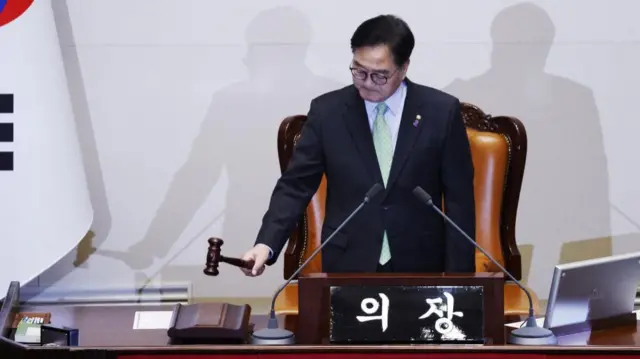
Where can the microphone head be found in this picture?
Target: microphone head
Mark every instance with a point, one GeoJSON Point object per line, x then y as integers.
{"type": "Point", "coordinates": [373, 192]}
{"type": "Point", "coordinates": [422, 195]}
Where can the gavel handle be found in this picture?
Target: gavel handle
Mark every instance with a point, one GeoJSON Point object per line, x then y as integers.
{"type": "Point", "coordinates": [237, 262]}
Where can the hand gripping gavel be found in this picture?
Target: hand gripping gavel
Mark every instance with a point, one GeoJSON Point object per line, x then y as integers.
{"type": "Point", "coordinates": [214, 258]}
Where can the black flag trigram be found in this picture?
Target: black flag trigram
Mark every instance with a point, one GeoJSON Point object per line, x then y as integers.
{"type": "Point", "coordinates": [6, 131]}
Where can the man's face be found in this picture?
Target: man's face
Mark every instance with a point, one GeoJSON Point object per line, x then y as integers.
{"type": "Point", "coordinates": [375, 75]}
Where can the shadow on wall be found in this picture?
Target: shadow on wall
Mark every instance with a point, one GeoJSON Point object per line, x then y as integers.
{"type": "Point", "coordinates": [565, 194]}
{"type": "Point", "coordinates": [101, 225]}
{"type": "Point", "coordinates": [603, 246]}
{"type": "Point", "coordinates": [526, 255]}
{"type": "Point", "coordinates": [91, 160]}
{"type": "Point", "coordinates": [566, 162]}
{"type": "Point", "coordinates": [586, 249]}
{"type": "Point", "coordinates": [238, 134]}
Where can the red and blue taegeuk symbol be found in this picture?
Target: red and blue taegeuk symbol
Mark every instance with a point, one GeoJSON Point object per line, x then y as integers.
{"type": "Point", "coordinates": [12, 9]}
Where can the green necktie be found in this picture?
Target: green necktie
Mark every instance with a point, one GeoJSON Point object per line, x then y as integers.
{"type": "Point", "coordinates": [384, 152]}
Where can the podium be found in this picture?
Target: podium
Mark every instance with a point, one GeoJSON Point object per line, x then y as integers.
{"type": "Point", "coordinates": [400, 309]}
{"type": "Point", "coordinates": [378, 316]}
{"type": "Point", "coordinates": [106, 330]}
{"type": "Point", "coordinates": [339, 308]}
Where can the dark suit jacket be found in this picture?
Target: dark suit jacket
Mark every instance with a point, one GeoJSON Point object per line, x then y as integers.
{"type": "Point", "coordinates": [336, 140]}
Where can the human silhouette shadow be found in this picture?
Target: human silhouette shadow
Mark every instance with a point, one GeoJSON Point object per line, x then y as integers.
{"type": "Point", "coordinates": [239, 134]}
{"type": "Point", "coordinates": [565, 193]}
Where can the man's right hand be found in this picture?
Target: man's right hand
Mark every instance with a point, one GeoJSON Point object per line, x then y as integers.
{"type": "Point", "coordinates": [259, 255]}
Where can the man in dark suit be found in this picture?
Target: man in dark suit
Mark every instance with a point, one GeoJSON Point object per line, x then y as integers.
{"type": "Point", "coordinates": [382, 129]}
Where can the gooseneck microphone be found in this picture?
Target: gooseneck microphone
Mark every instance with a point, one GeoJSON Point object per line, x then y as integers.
{"type": "Point", "coordinates": [272, 335]}
{"type": "Point", "coordinates": [530, 333]}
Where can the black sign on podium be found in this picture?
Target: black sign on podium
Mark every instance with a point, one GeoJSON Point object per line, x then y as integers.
{"type": "Point", "coordinates": [406, 314]}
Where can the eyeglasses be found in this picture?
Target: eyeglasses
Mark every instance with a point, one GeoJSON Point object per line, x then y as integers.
{"type": "Point", "coordinates": [376, 77]}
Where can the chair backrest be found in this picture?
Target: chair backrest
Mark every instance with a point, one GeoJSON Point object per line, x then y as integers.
{"type": "Point", "coordinates": [499, 149]}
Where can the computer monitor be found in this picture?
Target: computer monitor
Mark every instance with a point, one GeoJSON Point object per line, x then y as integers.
{"type": "Point", "coordinates": [593, 289]}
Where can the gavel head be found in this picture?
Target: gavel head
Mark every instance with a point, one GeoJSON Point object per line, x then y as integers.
{"type": "Point", "coordinates": [213, 257]}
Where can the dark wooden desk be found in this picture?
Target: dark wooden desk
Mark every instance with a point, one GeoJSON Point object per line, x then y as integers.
{"type": "Point", "coordinates": [106, 332]}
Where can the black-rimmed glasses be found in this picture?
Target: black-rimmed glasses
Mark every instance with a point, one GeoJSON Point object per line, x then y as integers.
{"type": "Point", "coordinates": [376, 77]}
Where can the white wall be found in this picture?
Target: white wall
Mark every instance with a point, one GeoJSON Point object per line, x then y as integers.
{"type": "Point", "coordinates": [179, 106]}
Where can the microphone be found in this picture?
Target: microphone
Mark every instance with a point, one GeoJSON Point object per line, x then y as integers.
{"type": "Point", "coordinates": [531, 333]}
{"type": "Point", "coordinates": [272, 335]}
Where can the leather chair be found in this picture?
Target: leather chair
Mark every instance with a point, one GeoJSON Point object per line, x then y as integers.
{"type": "Point", "coordinates": [499, 149]}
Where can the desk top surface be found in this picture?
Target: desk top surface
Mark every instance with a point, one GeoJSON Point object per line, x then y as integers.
{"type": "Point", "coordinates": [112, 326]}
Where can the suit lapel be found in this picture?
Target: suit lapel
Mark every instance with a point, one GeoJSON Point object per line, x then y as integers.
{"type": "Point", "coordinates": [358, 125]}
{"type": "Point", "coordinates": [411, 125]}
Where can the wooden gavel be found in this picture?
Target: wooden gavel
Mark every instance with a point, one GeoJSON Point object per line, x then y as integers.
{"type": "Point", "coordinates": [214, 258]}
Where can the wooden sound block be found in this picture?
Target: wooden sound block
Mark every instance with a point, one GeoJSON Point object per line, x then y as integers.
{"type": "Point", "coordinates": [210, 323]}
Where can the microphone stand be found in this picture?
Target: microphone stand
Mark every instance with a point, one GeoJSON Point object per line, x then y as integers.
{"type": "Point", "coordinates": [530, 333]}
{"type": "Point", "coordinates": [272, 335]}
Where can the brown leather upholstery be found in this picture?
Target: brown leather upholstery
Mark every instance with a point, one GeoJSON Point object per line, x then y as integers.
{"type": "Point", "coordinates": [498, 146]}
